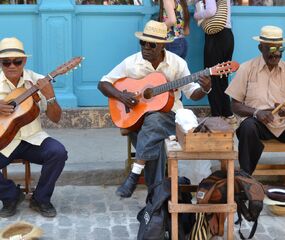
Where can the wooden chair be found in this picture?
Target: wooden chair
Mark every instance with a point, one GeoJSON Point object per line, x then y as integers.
{"type": "Point", "coordinates": [27, 188]}
{"type": "Point", "coordinates": [271, 169]}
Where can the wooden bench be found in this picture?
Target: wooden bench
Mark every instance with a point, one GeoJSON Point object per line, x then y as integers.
{"type": "Point", "coordinates": [271, 169]}
{"type": "Point", "coordinates": [27, 188]}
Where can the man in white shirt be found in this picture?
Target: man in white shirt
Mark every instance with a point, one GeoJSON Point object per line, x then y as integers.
{"type": "Point", "coordinates": [149, 138]}
{"type": "Point", "coordinates": [30, 142]}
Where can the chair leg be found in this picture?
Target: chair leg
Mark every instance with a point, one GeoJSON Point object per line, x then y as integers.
{"type": "Point", "coordinates": [27, 177]}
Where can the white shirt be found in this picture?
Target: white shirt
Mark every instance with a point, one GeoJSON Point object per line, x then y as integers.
{"type": "Point", "coordinates": [173, 67]}
{"type": "Point", "coordinates": [32, 132]}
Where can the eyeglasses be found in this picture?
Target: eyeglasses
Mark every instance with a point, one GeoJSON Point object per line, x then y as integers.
{"type": "Point", "coordinates": [151, 44]}
{"type": "Point", "coordinates": [275, 49]}
{"type": "Point", "coordinates": [16, 62]}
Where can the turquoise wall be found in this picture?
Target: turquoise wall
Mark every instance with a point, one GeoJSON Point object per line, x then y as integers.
{"type": "Point", "coordinates": [56, 30]}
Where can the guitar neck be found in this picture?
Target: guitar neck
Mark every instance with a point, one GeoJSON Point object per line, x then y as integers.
{"type": "Point", "coordinates": [180, 82]}
{"type": "Point", "coordinates": [29, 92]}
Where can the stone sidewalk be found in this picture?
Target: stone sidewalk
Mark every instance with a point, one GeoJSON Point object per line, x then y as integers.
{"type": "Point", "coordinates": [96, 213]}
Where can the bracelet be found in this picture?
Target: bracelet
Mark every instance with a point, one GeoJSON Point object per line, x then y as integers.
{"type": "Point", "coordinates": [51, 101]}
{"type": "Point", "coordinates": [206, 92]}
{"type": "Point", "coordinates": [255, 113]}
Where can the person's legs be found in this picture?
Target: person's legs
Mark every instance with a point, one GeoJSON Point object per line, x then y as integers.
{"type": "Point", "coordinates": [219, 48]}
{"type": "Point", "coordinates": [250, 133]}
{"type": "Point", "coordinates": [150, 150]}
{"type": "Point", "coordinates": [52, 155]}
{"type": "Point", "coordinates": [178, 46]}
{"type": "Point", "coordinates": [10, 194]}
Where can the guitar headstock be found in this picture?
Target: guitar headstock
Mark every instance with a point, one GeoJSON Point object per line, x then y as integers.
{"type": "Point", "coordinates": [66, 67]}
{"type": "Point", "coordinates": [224, 68]}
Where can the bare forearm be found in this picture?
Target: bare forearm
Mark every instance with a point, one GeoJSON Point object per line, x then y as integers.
{"type": "Point", "coordinates": [241, 109]}
{"type": "Point", "coordinates": [198, 94]}
{"type": "Point", "coordinates": [53, 112]}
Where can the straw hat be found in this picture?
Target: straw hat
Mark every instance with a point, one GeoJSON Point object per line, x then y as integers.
{"type": "Point", "coordinates": [154, 32]}
{"type": "Point", "coordinates": [21, 230]}
{"type": "Point", "coordinates": [277, 210]}
{"type": "Point", "coordinates": [12, 47]}
{"type": "Point", "coordinates": [270, 34]}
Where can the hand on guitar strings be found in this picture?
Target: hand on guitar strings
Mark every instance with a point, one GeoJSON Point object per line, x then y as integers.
{"type": "Point", "coordinates": [5, 108]}
{"type": "Point", "coordinates": [45, 88]}
{"type": "Point", "coordinates": [128, 98]}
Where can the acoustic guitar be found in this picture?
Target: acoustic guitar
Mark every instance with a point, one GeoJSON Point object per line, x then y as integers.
{"type": "Point", "coordinates": [26, 108]}
{"type": "Point", "coordinates": [155, 93]}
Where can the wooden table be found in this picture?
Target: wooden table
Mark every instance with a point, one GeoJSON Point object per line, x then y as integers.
{"type": "Point", "coordinates": [175, 153]}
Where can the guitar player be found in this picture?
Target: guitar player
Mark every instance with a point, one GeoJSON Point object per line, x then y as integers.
{"type": "Point", "coordinates": [31, 142]}
{"type": "Point", "coordinates": [149, 138]}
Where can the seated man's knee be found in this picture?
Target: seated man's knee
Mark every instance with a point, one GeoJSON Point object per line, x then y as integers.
{"type": "Point", "coordinates": [58, 152]}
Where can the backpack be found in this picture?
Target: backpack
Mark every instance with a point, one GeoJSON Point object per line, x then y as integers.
{"type": "Point", "coordinates": [154, 218]}
{"type": "Point", "coordinates": [249, 195]}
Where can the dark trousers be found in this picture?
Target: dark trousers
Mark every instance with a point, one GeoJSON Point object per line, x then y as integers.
{"type": "Point", "coordinates": [219, 48]}
{"type": "Point", "coordinates": [149, 143]}
{"type": "Point", "coordinates": [250, 133]}
{"type": "Point", "coordinates": [51, 154]}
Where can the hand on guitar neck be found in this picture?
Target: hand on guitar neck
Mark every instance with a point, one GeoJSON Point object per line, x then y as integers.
{"type": "Point", "coordinates": [45, 88]}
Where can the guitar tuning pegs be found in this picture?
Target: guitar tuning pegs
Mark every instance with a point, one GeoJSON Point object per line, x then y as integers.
{"type": "Point", "coordinates": [79, 65]}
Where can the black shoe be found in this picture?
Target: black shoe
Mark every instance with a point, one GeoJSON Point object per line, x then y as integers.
{"type": "Point", "coordinates": [128, 187]}
{"type": "Point", "coordinates": [45, 209]}
{"type": "Point", "coordinates": [10, 207]}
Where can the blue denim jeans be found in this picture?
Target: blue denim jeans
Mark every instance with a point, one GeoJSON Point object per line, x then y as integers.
{"type": "Point", "coordinates": [149, 143]}
{"type": "Point", "coordinates": [51, 154]}
{"type": "Point", "coordinates": [178, 46]}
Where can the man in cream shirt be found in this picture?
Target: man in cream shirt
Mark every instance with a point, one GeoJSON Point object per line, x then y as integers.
{"type": "Point", "coordinates": [31, 142]}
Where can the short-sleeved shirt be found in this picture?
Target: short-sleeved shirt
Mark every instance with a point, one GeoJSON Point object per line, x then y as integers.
{"type": "Point", "coordinates": [32, 132]}
{"type": "Point", "coordinates": [257, 87]}
{"type": "Point", "coordinates": [173, 67]}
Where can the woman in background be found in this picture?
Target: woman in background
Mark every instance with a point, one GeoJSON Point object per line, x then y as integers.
{"type": "Point", "coordinates": [218, 48]}
{"type": "Point", "coordinates": [176, 16]}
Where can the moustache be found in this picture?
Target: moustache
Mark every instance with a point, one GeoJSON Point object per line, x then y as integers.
{"type": "Point", "coordinates": [275, 56]}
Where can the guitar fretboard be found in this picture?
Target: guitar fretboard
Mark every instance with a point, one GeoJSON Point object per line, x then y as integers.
{"type": "Point", "coordinates": [180, 82]}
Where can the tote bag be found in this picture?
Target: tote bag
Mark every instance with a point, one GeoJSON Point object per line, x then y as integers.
{"type": "Point", "coordinates": [217, 22]}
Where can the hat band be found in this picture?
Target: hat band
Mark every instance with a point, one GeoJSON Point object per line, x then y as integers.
{"type": "Point", "coordinates": [12, 50]}
{"type": "Point", "coordinates": [156, 37]}
{"type": "Point", "coordinates": [271, 39]}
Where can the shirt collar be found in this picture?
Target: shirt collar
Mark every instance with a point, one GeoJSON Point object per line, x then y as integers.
{"type": "Point", "coordinates": [262, 64]}
{"type": "Point", "coordinates": [27, 82]}
{"type": "Point", "coordinates": [166, 59]}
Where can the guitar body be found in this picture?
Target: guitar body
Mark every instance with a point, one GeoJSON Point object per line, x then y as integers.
{"type": "Point", "coordinates": [24, 113]}
{"type": "Point", "coordinates": [132, 118]}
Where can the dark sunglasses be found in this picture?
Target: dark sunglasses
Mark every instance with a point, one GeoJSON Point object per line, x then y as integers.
{"type": "Point", "coordinates": [275, 49]}
{"type": "Point", "coordinates": [16, 62]}
{"type": "Point", "coordinates": [151, 44]}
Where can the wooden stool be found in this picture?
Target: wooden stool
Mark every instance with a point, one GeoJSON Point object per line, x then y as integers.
{"type": "Point", "coordinates": [271, 169]}
{"type": "Point", "coordinates": [174, 153]}
{"type": "Point", "coordinates": [27, 187]}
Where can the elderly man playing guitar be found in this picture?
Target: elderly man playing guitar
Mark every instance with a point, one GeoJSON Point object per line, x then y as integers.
{"type": "Point", "coordinates": [30, 142]}
{"type": "Point", "coordinates": [150, 130]}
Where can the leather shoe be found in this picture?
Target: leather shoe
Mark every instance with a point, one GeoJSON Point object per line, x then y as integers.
{"type": "Point", "coordinates": [45, 209]}
{"type": "Point", "coordinates": [127, 188]}
{"type": "Point", "coordinates": [10, 207]}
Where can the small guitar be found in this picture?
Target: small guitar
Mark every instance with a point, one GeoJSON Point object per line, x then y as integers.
{"type": "Point", "coordinates": [26, 109]}
{"type": "Point", "coordinates": [155, 94]}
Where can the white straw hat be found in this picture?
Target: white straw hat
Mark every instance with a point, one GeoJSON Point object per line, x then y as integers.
{"type": "Point", "coordinates": [154, 32]}
{"type": "Point", "coordinates": [12, 47]}
{"type": "Point", "coordinates": [270, 34]}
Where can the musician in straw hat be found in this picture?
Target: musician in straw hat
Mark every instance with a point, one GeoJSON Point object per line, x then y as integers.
{"type": "Point", "coordinates": [258, 95]}
{"type": "Point", "coordinates": [31, 142]}
{"type": "Point", "coordinates": [149, 138]}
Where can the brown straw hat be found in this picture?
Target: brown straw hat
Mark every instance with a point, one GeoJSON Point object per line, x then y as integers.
{"type": "Point", "coordinates": [154, 32]}
{"type": "Point", "coordinates": [278, 210]}
{"type": "Point", "coordinates": [12, 47]}
{"type": "Point", "coordinates": [21, 230]}
{"type": "Point", "coordinates": [270, 34]}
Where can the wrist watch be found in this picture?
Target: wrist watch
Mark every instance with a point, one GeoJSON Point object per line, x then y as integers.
{"type": "Point", "coordinates": [51, 101]}
{"type": "Point", "coordinates": [206, 92]}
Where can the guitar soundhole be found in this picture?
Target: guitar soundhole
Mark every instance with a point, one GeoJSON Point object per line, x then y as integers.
{"type": "Point", "coordinates": [148, 93]}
